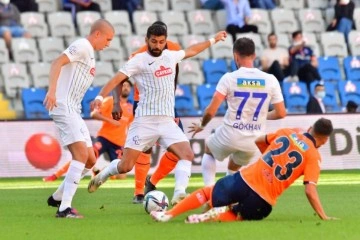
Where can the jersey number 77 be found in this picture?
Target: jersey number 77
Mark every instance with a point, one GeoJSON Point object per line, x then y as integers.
{"type": "Point", "coordinates": [246, 96]}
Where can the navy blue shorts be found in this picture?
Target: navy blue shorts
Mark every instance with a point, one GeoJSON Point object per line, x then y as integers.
{"type": "Point", "coordinates": [114, 151]}
{"type": "Point", "coordinates": [232, 189]}
{"type": "Point", "coordinates": [176, 115]}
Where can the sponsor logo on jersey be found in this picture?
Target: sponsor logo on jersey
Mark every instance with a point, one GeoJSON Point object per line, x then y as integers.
{"type": "Point", "coordinates": [250, 83]}
{"type": "Point", "coordinates": [92, 71]}
{"type": "Point", "coordinates": [163, 71]}
{"type": "Point", "coordinates": [299, 143]}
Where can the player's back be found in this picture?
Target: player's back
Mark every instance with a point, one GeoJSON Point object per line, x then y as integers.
{"type": "Point", "coordinates": [249, 93]}
{"type": "Point", "coordinates": [289, 155]}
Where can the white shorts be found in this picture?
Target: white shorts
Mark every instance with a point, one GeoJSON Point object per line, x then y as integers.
{"type": "Point", "coordinates": [145, 131]}
{"type": "Point", "coordinates": [72, 128]}
{"type": "Point", "coordinates": [226, 141]}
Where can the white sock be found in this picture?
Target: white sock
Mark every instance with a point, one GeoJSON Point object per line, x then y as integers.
{"type": "Point", "coordinates": [182, 176]}
{"type": "Point", "coordinates": [57, 195]}
{"type": "Point", "coordinates": [110, 170]}
{"type": "Point", "coordinates": [208, 168]}
{"type": "Point", "coordinates": [71, 183]}
{"type": "Point", "coordinates": [230, 172]}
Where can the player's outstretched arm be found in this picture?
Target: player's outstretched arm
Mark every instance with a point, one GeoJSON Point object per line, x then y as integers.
{"type": "Point", "coordinates": [199, 47]}
{"type": "Point", "coordinates": [313, 197]}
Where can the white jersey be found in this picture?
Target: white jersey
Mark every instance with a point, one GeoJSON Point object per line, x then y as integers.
{"type": "Point", "coordinates": [249, 92]}
{"type": "Point", "coordinates": [75, 78]}
{"type": "Point", "coordinates": [154, 78]}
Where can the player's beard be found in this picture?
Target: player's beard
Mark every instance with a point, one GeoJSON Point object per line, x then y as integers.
{"type": "Point", "coordinates": [156, 53]}
{"type": "Point", "coordinates": [125, 94]}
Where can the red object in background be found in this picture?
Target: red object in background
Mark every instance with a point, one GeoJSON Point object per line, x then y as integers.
{"type": "Point", "coordinates": [43, 151]}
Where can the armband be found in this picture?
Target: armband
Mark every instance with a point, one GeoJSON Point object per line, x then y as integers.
{"type": "Point", "coordinates": [212, 41]}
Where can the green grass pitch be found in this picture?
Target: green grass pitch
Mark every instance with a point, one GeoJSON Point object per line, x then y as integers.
{"type": "Point", "coordinates": [109, 213]}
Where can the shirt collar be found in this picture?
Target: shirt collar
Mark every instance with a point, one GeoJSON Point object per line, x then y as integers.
{"type": "Point", "coordinates": [308, 135]}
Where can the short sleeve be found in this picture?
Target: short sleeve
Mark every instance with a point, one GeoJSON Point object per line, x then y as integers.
{"type": "Point", "coordinates": [276, 93]}
{"type": "Point", "coordinates": [312, 167]}
{"type": "Point", "coordinates": [177, 55]}
{"type": "Point", "coordinates": [76, 51]}
{"type": "Point", "coordinates": [131, 67]}
{"type": "Point", "coordinates": [223, 86]}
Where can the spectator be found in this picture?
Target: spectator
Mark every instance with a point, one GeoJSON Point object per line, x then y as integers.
{"type": "Point", "coordinates": [264, 4]}
{"type": "Point", "coordinates": [238, 13]}
{"type": "Point", "coordinates": [351, 107]}
{"type": "Point", "coordinates": [343, 21]}
{"type": "Point", "coordinates": [275, 60]}
{"type": "Point", "coordinates": [303, 62]}
{"type": "Point", "coordinates": [10, 25]}
{"type": "Point", "coordinates": [81, 5]}
{"type": "Point", "coordinates": [26, 6]}
{"type": "Point", "coordinates": [129, 5]}
{"type": "Point", "coordinates": [315, 104]}
{"type": "Point", "coordinates": [212, 4]}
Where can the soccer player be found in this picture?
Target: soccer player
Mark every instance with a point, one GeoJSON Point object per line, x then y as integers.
{"type": "Point", "coordinates": [71, 74]}
{"type": "Point", "coordinates": [251, 192]}
{"type": "Point", "coordinates": [153, 72]}
{"type": "Point", "coordinates": [110, 137]}
{"type": "Point", "coordinates": [168, 160]}
{"type": "Point", "coordinates": [248, 92]}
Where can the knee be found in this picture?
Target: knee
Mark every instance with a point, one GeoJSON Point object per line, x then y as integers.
{"type": "Point", "coordinates": [188, 155]}
{"type": "Point", "coordinates": [125, 166]}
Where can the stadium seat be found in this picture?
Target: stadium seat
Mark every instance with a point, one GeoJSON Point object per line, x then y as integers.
{"type": "Point", "coordinates": [156, 5]}
{"type": "Point", "coordinates": [354, 42]}
{"type": "Point", "coordinates": [4, 53]}
{"type": "Point", "coordinates": [15, 78]}
{"type": "Point", "coordinates": [175, 21]}
{"type": "Point", "coordinates": [214, 69]}
{"type": "Point", "coordinates": [205, 93]}
{"type": "Point", "coordinates": [190, 72]}
{"type": "Point", "coordinates": [103, 73]}
{"type": "Point", "coordinates": [184, 101]}
{"type": "Point", "coordinates": [85, 19]}
{"type": "Point", "coordinates": [284, 20]}
{"type": "Point", "coordinates": [133, 43]}
{"type": "Point", "coordinates": [296, 96]}
{"type": "Point", "coordinates": [352, 68]}
{"type": "Point", "coordinates": [200, 22]}
{"type": "Point", "coordinates": [120, 20]}
{"type": "Point", "coordinates": [233, 66]}
{"type": "Point", "coordinates": [323, 4]}
{"type": "Point", "coordinates": [292, 4]}
{"type": "Point", "coordinates": [47, 6]}
{"type": "Point", "coordinates": [32, 99]}
{"type": "Point", "coordinates": [142, 20]}
{"type": "Point", "coordinates": [114, 52]}
{"type": "Point", "coordinates": [61, 24]}
{"type": "Point", "coordinates": [34, 23]}
{"type": "Point", "coordinates": [311, 41]}
{"type": "Point", "coordinates": [357, 17]}
{"type": "Point", "coordinates": [50, 48]}
{"type": "Point", "coordinates": [89, 96]}
{"type": "Point", "coordinates": [24, 50]}
{"type": "Point", "coordinates": [260, 18]}
{"type": "Point", "coordinates": [220, 19]}
{"type": "Point", "coordinates": [188, 40]}
{"type": "Point", "coordinates": [40, 74]}
{"type": "Point", "coordinates": [105, 5]}
{"type": "Point", "coordinates": [349, 90]}
{"type": "Point", "coordinates": [257, 40]}
{"type": "Point", "coordinates": [223, 49]}
{"type": "Point", "coordinates": [329, 68]}
{"type": "Point", "coordinates": [331, 98]}
{"type": "Point", "coordinates": [311, 20]}
{"type": "Point", "coordinates": [183, 5]}
{"type": "Point", "coordinates": [329, 15]}
{"type": "Point", "coordinates": [334, 44]}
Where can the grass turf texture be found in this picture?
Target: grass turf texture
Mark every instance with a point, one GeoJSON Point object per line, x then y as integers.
{"type": "Point", "coordinates": [109, 213]}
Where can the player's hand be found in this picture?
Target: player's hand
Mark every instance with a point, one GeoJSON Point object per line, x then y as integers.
{"type": "Point", "coordinates": [195, 128]}
{"type": "Point", "coordinates": [220, 36]}
{"type": "Point", "coordinates": [50, 101]}
{"type": "Point", "coordinates": [95, 105]}
{"type": "Point", "coordinates": [116, 112]}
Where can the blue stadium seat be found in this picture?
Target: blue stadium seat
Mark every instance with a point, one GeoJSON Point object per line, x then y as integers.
{"type": "Point", "coordinates": [329, 68]}
{"type": "Point", "coordinates": [184, 103]}
{"type": "Point", "coordinates": [349, 90]}
{"type": "Point", "coordinates": [352, 68]}
{"type": "Point", "coordinates": [214, 69]}
{"type": "Point", "coordinates": [32, 99]}
{"type": "Point", "coordinates": [205, 93]}
{"type": "Point", "coordinates": [89, 96]}
{"type": "Point", "coordinates": [233, 65]}
{"type": "Point", "coordinates": [330, 100]}
{"type": "Point", "coordinates": [296, 96]}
